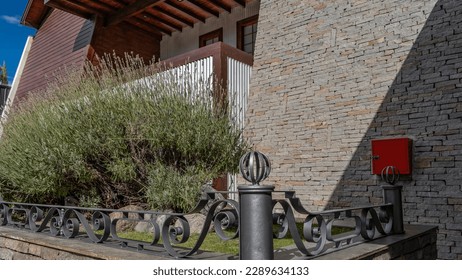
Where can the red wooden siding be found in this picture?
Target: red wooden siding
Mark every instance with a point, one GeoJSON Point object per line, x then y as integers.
{"type": "Point", "coordinates": [124, 38]}
{"type": "Point", "coordinates": [63, 39]}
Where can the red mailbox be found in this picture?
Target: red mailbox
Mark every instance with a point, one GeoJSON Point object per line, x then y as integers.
{"type": "Point", "coordinates": [392, 152]}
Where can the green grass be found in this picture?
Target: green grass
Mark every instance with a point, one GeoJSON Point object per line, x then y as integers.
{"type": "Point", "coordinates": [213, 243]}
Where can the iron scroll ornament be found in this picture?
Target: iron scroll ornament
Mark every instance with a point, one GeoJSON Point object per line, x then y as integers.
{"type": "Point", "coordinates": [221, 220]}
{"type": "Point", "coordinates": [318, 226]}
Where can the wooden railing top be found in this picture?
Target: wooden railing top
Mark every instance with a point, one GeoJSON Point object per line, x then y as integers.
{"type": "Point", "coordinates": [218, 51]}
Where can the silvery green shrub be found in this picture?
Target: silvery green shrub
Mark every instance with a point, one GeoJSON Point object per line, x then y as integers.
{"type": "Point", "coordinates": [123, 131]}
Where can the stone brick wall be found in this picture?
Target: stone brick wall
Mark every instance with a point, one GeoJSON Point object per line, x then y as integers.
{"type": "Point", "coordinates": [17, 249]}
{"type": "Point", "coordinates": [19, 244]}
{"type": "Point", "coordinates": [329, 76]}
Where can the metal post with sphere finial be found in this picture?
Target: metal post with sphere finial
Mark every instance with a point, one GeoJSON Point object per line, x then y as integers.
{"type": "Point", "coordinates": [255, 209]}
{"type": "Point", "coordinates": [392, 195]}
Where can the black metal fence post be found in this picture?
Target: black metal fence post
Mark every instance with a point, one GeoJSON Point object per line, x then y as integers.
{"type": "Point", "coordinates": [255, 210]}
{"type": "Point", "coordinates": [392, 194]}
{"type": "Point", "coordinates": [256, 223]}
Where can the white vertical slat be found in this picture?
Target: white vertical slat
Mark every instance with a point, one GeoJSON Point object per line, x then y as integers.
{"type": "Point", "coordinates": [194, 79]}
{"type": "Point", "coordinates": [238, 92]}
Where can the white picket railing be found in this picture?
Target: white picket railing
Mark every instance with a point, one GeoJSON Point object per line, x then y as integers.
{"type": "Point", "coordinates": [239, 75]}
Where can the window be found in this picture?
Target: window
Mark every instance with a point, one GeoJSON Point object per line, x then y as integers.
{"type": "Point", "coordinates": [211, 37]}
{"type": "Point", "coordinates": [246, 34]}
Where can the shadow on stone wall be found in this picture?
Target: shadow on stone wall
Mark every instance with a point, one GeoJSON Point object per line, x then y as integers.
{"type": "Point", "coordinates": [423, 103]}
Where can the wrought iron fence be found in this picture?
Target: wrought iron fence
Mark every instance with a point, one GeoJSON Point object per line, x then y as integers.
{"type": "Point", "coordinates": [256, 219]}
{"type": "Point", "coordinates": [169, 230]}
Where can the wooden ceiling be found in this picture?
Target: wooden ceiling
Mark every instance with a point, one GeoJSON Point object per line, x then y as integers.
{"type": "Point", "coordinates": [157, 17]}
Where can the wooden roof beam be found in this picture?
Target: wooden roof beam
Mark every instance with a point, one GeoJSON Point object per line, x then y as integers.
{"type": "Point", "coordinates": [221, 5]}
{"type": "Point", "coordinates": [104, 6]}
{"type": "Point", "coordinates": [131, 10]}
{"type": "Point", "coordinates": [152, 17]}
{"type": "Point", "coordinates": [149, 32]}
{"type": "Point", "coordinates": [241, 2]}
{"type": "Point", "coordinates": [148, 27]}
{"type": "Point", "coordinates": [70, 8]}
{"type": "Point", "coordinates": [185, 10]}
{"type": "Point", "coordinates": [204, 8]}
{"type": "Point", "coordinates": [96, 11]}
{"type": "Point", "coordinates": [179, 18]}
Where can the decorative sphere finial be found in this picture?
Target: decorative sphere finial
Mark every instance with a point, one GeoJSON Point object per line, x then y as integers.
{"type": "Point", "coordinates": [390, 174]}
{"type": "Point", "coordinates": [255, 167]}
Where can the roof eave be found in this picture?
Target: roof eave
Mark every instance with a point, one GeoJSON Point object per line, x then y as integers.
{"type": "Point", "coordinates": [34, 19]}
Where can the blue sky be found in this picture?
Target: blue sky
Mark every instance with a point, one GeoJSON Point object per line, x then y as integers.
{"type": "Point", "coordinates": [13, 35]}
